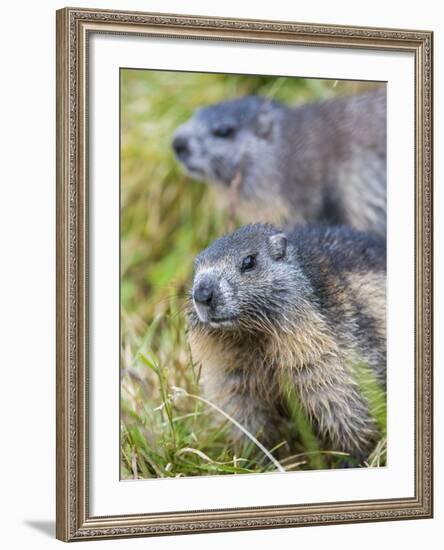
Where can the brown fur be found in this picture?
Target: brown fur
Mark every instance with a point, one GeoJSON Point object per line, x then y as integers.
{"type": "Point", "coordinates": [247, 378]}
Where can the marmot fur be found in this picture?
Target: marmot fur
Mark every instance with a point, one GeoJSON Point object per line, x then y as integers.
{"type": "Point", "coordinates": [317, 163]}
{"type": "Point", "coordinates": [269, 308]}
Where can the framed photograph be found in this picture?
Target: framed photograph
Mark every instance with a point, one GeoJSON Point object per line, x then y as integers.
{"type": "Point", "coordinates": [244, 274]}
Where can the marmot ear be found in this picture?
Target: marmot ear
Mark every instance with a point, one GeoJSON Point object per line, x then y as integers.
{"type": "Point", "coordinates": [263, 125]}
{"type": "Point", "coordinates": [278, 246]}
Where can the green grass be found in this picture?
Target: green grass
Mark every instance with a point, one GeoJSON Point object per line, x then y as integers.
{"type": "Point", "coordinates": [167, 429]}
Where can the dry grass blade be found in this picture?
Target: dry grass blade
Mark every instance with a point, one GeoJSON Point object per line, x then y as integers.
{"type": "Point", "coordinates": [182, 392]}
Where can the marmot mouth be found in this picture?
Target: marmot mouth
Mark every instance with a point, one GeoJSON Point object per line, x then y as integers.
{"type": "Point", "coordinates": [194, 170]}
{"type": "Point", "coordinates": [216, 322]}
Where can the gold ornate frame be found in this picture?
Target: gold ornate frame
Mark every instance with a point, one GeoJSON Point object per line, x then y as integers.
{"type": "Point", "coordinates": [73, 28]}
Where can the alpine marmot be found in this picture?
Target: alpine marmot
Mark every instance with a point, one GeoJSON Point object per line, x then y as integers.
{"type": "Point", "coordinates": [304, 307]}
{"type": "Point", "coordinates": [317, 163]}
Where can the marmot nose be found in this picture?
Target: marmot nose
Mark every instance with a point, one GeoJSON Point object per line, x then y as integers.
{"type": "Point", "coordinates": [181, 147]}
{"type": "Point", "coordinates": [204, 293]}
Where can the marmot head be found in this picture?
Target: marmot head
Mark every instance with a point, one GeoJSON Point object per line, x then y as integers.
{"type": "Point", "coordinates": [247, 280]}
{"type": "Point", "coordinates": [219, 141]}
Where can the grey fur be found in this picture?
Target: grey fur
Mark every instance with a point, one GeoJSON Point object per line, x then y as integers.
{"type": "Point", "coordinates": [305, 317]}
{"type": "Point", "coordinates": [323, 163]}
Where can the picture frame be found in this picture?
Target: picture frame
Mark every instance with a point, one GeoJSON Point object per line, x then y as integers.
{"type": "Point", "coordinates": [75, 216]}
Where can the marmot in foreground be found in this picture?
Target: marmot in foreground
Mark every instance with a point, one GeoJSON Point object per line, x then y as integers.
{"type": "Point", "coordinates": [318, 163]}
{"type": "Point", "coordinates": [268, 309]}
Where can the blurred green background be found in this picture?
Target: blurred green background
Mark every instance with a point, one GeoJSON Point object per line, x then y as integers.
{"type": "Point", "coordinates": [167, 430]}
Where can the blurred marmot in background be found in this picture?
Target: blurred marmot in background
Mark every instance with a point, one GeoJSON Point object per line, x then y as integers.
{"type": "Point", "coordinates": [323, 162]}
{"type": "Point", "coordinates": [269, 309]}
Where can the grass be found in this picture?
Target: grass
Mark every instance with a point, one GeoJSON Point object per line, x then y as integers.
{"type": "Point", "coordinates": [167, 428]}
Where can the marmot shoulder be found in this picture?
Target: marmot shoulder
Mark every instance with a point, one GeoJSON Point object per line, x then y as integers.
{"type": "Point", "coordinates": [270, 308]}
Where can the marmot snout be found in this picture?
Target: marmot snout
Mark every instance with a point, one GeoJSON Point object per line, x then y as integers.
{"type": "Point", "coordinates": [270, 308]}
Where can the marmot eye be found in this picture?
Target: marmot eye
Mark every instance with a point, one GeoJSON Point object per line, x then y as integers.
{"type": "Point", "coordinates": [224, 131]}
{"type": "Point", "coordinates": [248, 263]}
